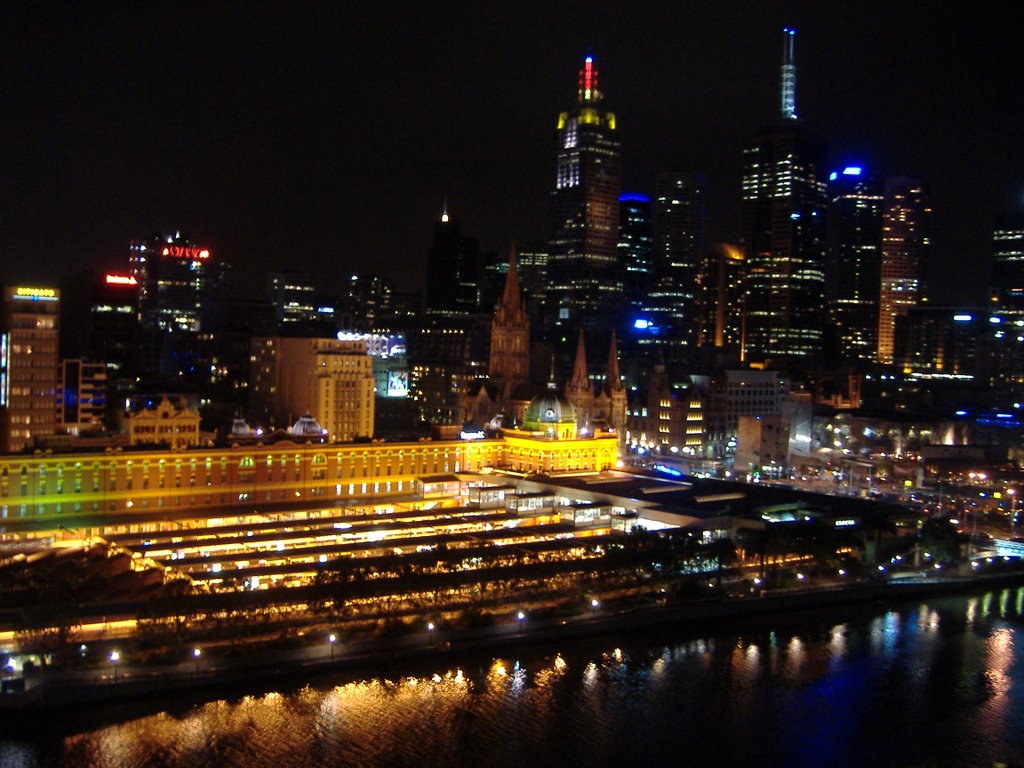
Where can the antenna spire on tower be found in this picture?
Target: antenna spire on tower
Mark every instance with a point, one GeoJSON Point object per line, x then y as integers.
{"type": "Point", "coordinates": [788, 75]}
{"type": "Point", "coordinates": [588, 81]}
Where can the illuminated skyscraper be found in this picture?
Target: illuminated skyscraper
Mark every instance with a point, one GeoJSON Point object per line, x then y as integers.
{"type": "Point", "coordinates": [635, 250]}
{"type": "Point", "coordinates": [905, 245]}
{"type": "Point", "coordinates": [853, 265]}
{"type": "Point", "coordinates": [583, 279]}
{"type": "Point", "coordinates": [783, 234]}
{"type": "Point", "coordinates": [1007, 293]}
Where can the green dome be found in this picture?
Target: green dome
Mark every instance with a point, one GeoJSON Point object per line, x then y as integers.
{"type": "Point", "coordinates": [551, 412]}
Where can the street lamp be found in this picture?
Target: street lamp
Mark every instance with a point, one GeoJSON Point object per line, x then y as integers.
{"type": "Point", "coordinates": [331, 640]}
{"type": "Point", "coordinates": [430, 633]}
{"type": "Point", "coordinates": [196, 654]}
{"type": "Point", "coordinates": [594, 605]}
{"type": "Point", "coordinates": [115, 657]}
{"type": "Point", "coordinates": [520, 617]}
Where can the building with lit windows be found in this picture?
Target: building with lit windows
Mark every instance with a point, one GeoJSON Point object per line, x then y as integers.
{"type": "Point", "coordinates": [666, 418]}
{"type": "Point", "coordinates": [853, 264]}
{"type": "Point", "coordinates": [678, 216]}
{"type": "Point", "coordinates": [99, 320]}
{"type": "Point", "coordinates": [905, 246]}
{"type": "Point", "coordinates": [454, 268]}
{"type": "Point", "coordinates": [177, 280]}
{"type": "Point", "coordinates": [582, 270]}
{"type": "Point", "coordinates": [165, 423]}
{"type": "Point", "coordinates": [1007, 292]}
{"type": "Point", "coordinates": [783, 231]}
{"type": "Point", "coordinates": [329, 379]}
{"type": "Point", "coordinates": [29, 328]}
{"type": "Point", "coordinates": [720, 297]}
{"type": "Point", "coordinates": [293, 297]}
{"type": "Point", "coordinates": [83, 396]}
{"type": "Point", "coordinates": [636, 251]}
{"type": "Point", "coordinates": [236, 480]}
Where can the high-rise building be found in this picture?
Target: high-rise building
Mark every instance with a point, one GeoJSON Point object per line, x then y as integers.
{"type": "Point", "coordinates": [28, 365]}
{"type": "Point", "coordinates": [720, 297]}
{"type": "Point", "coordinates": [583, 276]}
{"type": "Point", "coordinates": [1007, 292]}
{"type": "Point", "coordinates": [177, 281]}
{"type": "Point", "coordinates": [454, 268]}
{"type": "Point", "coordinates": [678, 219]}
{"type": "Point", "coordinates": [83, 396]}
{"type": "Point", "coordinates": [783, 234]}
{"type": "Point", "coordinates": [293, 296]}
{"type": "Point", "coordinates": [364, 299]}
{"type": "Point", "coordinates": [328, 379]}
{"type": "Point", "coordinates": [99, 313]}
{"type": "Point", "coordinates": [635, 250]}
{"type": "Point", "coordinates": [906, 215]}
{"type": "Point", "coordinates": [853, 263]}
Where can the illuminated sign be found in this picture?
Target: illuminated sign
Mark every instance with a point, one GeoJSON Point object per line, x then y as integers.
{"type": "Point", "coordinates": [185, 252]}
{"type": "Point", "coordinates": [846, 523]}
{"type": "Point", "coordinates": [34, 294]}
{"type": "Point", "coordinates": [398, 384]}
{"type": "Point", "coordinates": [121, 280]}
{"type": "Point", "coordinates": [963, 318]}
{"type": "Point", "coordinates": [852, 170]}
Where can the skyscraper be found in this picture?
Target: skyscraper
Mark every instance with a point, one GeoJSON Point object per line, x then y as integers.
{"type": "Point", "coordinates": [29, 319]}
{"type": "Point", "coordinates": [1007, 292]}
{"type": "Point", "coordinates": [853, 264]}
{"type": "Point", "coordinates": [635, 250]}
{"type": "Point", "coordinates": [905, 245]}
{"type": "Point", "coordinates": [583, 279]}
{"type": "Point", "coordinates": [783, 233]}
{"type": "Point", "coordinates": [454, 268]}
{"type": "Point", "coordinates": [678, 217]}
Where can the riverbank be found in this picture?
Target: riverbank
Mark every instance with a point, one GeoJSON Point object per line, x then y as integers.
{"type": "Point", "coordinates": [54, 691]}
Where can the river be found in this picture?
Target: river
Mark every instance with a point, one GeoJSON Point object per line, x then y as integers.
{"type": "Point", "coordinates": [934, 683]}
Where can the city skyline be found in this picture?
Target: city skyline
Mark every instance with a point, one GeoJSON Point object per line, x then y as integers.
{"type": "Point", "coordinates": [328, 141]}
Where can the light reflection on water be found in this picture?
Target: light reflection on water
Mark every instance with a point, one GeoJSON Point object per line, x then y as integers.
{"type": "Point", "coordinates": [935, 684]}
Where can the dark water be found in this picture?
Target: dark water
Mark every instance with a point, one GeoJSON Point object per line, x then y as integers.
{"type": "Point", "coordinates": [931, 684]}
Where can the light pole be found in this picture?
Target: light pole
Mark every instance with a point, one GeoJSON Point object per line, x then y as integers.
{"type": "Point", "coordinates": [594, 605]}
{"type": "Point", "coordinates": [196, 654]}
{"type": "Point", "coordinates": [520, 617]}
{"type": "Point", "coordinates": [430, 633]}
{"type": "Point", "coordinates": [331, 640]}
{"type": "Point", "coordinates": [115, 657]}
{"type": "Point", "coordinates": [1013, 508]}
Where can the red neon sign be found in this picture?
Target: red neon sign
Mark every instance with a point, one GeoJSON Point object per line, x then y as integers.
{"type": "Point", "coordinates": [185, 252]}
{"type": "Point", "coordinates": [121, 280]}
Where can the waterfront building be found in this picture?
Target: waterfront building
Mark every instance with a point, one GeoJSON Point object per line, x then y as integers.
{"type": "Point", "coordinates": [853, 264]}
{"type": "Point", "coordinates": [736, 393]}
{"type": "Point", "coordinates": [328, 379]}
{"type": "Point", "coordinates": [583, 276]}
{"type": "Point", "coordinates": [783, 231]}
{"type": "Point", "coordinates": [906, 243]}
{"type": "Point", "coordinates": [29, 336]}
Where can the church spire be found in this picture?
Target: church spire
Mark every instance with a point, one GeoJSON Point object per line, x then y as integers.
{"type": "Point", "coordinates": [510, 299]}
{"type": "Point", "coordinates": [614, 381]}
{"type": "Point", "coordinates": [580, 380]}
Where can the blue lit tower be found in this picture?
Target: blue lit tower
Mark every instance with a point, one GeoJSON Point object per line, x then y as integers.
{"type": "Point", "coordinates": [584, 282]}
{"type": "Point", "coordinates": [783, 234]}
{"type": "Point", "coordinates": [635, 250]}
{"type": "Point", "coordinates": [854, 263]}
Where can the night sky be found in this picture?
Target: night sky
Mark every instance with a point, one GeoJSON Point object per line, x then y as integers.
{"type": "Point", "coordinates": [324, 137]}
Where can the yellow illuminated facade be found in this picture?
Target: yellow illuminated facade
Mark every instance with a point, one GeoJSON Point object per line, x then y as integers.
{"type": "Point", "coordinates": [244, 477]}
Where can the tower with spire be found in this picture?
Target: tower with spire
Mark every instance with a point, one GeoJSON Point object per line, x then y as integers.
{"type": "Point", "coordinates": [783, 218]}
{"type": "Point", "coordinates": [509, 363]}
{"type": "Point", "coordinates": [583, 280]}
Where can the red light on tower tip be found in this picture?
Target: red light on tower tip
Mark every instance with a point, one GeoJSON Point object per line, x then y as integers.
{"type": "Point", "coordinates": [588, 80]}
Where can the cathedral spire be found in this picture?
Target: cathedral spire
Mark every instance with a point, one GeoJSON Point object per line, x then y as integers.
{"type": "Point", "coordinates": [580, 380]}
{"type": "Point", "coordinates": [614, 380]}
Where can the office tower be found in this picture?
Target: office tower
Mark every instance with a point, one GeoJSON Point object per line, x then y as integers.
{"type": "Point", "coordinates": [783, 234]}
{"type": "Point", "coordinates": [99, 313]}
{"type": "Point", "coordinates": [635, 247]}
{"type": "Point", "coordinates": [330, 380]}
{"type": "Point", "coordinates": [720, 297]}
{"type": "Point", "coordinates": [28, 365]}
{"type": "Point", "coordinates": [293, 297]}
{"type": "Point", "coordinates": [454, 268]}
{"type": "Point", "coordinates": [1007, 292]}
{"type": "Point", "coordinates": [906, 217]}
{"type": "Point", "coordinates": [583, 278]}
{"type": "Point", "coordinates": [364, 299]}
{"type": "Point", "coordinates": [177, 282]}
{"type": "Point", "coordinates": [853, 263]}
{"type": "Point", "coordinates": [83, 396]}
{"type": "Point", "coordinates": [678, 220]}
